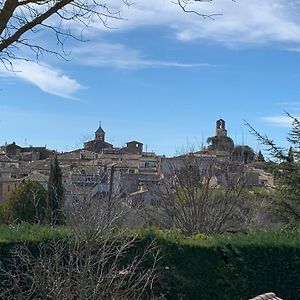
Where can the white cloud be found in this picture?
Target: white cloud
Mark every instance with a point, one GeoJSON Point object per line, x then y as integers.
{"type": "Point", "coordinates": [119, 56]}
{"type": "Point", "coordinates": [45, 77]}
{"type": "Point", "coordinates": [242, 21]}
{"type": "Point", "coordinates": [289, 104]}
{"type": "Point", "coordinates": [281, 121]}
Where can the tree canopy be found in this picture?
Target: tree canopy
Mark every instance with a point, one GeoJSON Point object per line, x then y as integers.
{"type": "Point", "coordinates": [28, 203]}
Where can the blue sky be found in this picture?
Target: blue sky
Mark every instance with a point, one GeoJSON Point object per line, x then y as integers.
{"type": "Point", "coordinates": [163, 77]}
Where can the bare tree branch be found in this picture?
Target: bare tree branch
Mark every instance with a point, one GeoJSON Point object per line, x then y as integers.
{"type": "Point", "coordinates": [20, 20]}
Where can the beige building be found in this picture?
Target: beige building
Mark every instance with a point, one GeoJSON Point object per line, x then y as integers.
{"type": "Point", "coordinates": [7, 184]}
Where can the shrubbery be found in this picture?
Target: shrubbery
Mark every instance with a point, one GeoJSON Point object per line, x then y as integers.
{"type": "Point", "coordinates": [228, 266]}
{"type": "Point", "coordinates": [27, 203]}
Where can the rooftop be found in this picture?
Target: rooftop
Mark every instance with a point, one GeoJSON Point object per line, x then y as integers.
{"type": "Point", "coordinates": [267, 296]}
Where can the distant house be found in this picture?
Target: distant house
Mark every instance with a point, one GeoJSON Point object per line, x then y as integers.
{"type": "Point", "coordinates": [11, 150]}
{"type": "Point", "coordinates": [38, 177]}
{"type": "Point", "coordinates": [7, 162]}
{"type": "Point", "coordinates": [133, 147]}
{"type": "Point", "coordinates": [30, 153]}
{"type": "Point", "coordinates": [7, 184]}
{"type": "Point", "coordinates": [36, 153]}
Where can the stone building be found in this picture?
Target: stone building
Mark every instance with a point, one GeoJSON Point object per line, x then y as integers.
{"type": "Point", "coordinates": [98, 144]}
{"type": "Point", "coordinates": [30, 153]}
{"type": "Point", "coordinates": [7, 184]}
{"type": "Point", "coordinates": [7, 162]}
{"type": "Point", "coordinates": [133, 147]}
{"type": "Point", "coordinates": [11, 150]}
{"type": "Point", "coordinates": [220, 142]}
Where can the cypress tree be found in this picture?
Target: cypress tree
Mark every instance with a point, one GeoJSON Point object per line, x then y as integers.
{"type": "Point", "coordinates": [55, 194]}
{"type": "Point", "coordinates": [290, 157]}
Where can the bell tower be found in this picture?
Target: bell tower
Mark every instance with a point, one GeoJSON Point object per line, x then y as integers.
{"type": "Point", "coordinates": [100, 134]}
{"type": "Point", "coordinates": [220, 128]}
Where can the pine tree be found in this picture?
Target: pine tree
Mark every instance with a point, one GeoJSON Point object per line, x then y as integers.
{"type": "Point", "coordinates": [285, 167]}
{"type": "Point", "coordinates": [55, 194]}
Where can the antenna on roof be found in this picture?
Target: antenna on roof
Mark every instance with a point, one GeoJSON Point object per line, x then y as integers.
{"type": "Point", "coordinates": [243, 137]}
{"type": "Point", "coordinates": [235, 137]}
{"type": "Point", "coordinates": [99, 123]}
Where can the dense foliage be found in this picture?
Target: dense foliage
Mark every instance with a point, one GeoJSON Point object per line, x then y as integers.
{"type": "Point", "coordinates": [243, 153]}
{"type": "Point", "coordinates": [28, 203]}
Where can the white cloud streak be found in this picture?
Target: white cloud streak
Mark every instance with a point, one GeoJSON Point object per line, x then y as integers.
{"type": "Point", "coordinates": [121, 57]}
{"type": "Point", "coordinates": [45, 77]}
{"type": "Point", "coordinates": [280, 121]}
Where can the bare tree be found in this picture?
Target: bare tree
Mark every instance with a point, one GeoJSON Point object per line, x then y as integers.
{"type": "Point", "coordinates": [21, 20]}
{"type": "Point", "coordinates": [203, 195]}
{"type": "Point", "coordinates": [108, 269]}
{"type": "Point", "coordinates": [98, 261]}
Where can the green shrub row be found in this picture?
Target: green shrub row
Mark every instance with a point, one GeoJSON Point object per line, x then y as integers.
{"type": "Point", "coordinates": [229, 266]}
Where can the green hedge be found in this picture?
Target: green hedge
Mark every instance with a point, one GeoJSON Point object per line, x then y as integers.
{"type": "Point", "coordinates": [231, 266]}
{"type": "Point", "coordinates": [236, 266]}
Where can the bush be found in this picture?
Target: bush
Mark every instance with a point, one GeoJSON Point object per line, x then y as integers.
{"type": "Point", "coordinates": [219, 267]}
{"type": "Point", "coordinates": [27, 203]}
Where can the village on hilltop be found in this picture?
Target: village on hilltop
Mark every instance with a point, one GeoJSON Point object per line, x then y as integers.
{"type": "Point", "coordinates": [137, 171]}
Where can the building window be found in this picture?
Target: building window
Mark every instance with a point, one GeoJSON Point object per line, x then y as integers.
{"type": "Point", "coordinates": [147, 164]}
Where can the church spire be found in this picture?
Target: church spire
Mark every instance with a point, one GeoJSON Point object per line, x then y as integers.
{"type": "Point", "coordinates": [100, 133]}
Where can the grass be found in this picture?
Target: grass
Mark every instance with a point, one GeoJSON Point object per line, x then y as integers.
{"type": "Point", "coordinates": [30, 233]}
{"type": "Point", "coordinates": [272, 238]}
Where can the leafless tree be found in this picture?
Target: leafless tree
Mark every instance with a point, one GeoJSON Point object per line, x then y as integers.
{"type": "Point", "coordinates": [80, 270]}
{"type": "Point", "coordinates": [98, 261]}
{"type": "Point", "coordinates": [21, 20]}
{"type": "Point", "coordinates": [204, 195]}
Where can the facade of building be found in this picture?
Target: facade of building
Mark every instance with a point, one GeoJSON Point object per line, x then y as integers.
{"type": "Point", "coordinates": [30, 153]}
{"type": "Point", "coordinates": [7, 184]}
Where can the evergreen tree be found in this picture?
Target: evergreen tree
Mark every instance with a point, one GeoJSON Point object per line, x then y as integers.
{"type": "Point", "coordinates": [285, 167]}
{"type": "Point", "coordinates": [55, 194]}
{"type": "Point", "coordinates": [260, 156]}
{"type": "Point", "coordinates": [243, 154]}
